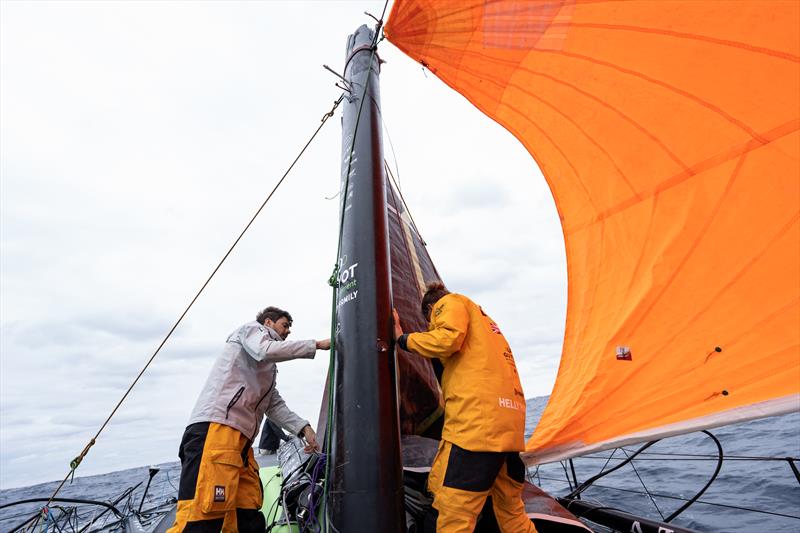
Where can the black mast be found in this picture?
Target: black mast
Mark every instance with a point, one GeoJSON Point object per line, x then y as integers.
{"type": "Point", "coordinates": [366, 491]}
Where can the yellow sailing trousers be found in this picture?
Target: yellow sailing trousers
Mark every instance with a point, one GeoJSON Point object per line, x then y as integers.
{"type": "Point", "coordinates": [220, 489]}
{"type": "Point", "coordinates": [461, 480]}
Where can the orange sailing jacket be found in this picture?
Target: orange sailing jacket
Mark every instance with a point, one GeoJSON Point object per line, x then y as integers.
{"type": "Point", "coordinates": [484, 403]}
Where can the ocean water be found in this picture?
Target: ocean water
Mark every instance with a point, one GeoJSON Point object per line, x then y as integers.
{"type": "Point", "coordinates": [752, 496]}
{"type": "Point", "coordinates": [103, 487]}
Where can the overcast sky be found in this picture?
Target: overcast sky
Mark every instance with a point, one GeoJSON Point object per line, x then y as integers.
{"type": "Point", "coordinates": [137, 139]}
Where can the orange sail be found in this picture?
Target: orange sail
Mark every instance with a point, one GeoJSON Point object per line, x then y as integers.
{"type": "Point", "coordinates": [668, 133]}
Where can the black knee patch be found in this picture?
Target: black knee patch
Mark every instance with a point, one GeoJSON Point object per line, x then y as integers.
{"type": "Point", "coordinates": [191, 453]}
{"type": "Point", "coordinates": [472, 471]}
{"type": "Point", "coordinates": [515, 467]}
{"type": "Point", "coordinates": [204, 526]}
{"type": "Point", "coordinates": [250, 521]}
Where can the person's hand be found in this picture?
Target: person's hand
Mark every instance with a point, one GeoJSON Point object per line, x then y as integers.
{"type": "Point", "coordinates": [324, 344]}
{"type": "Point", "coordinates": [311, 438]}
{"type": "Point", "coordinates": [398, 331]}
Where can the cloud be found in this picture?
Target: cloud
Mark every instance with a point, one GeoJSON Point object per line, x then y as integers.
{"type": "Point", "coordinates": [128, 169]}
{"type": "Point", "coordinates": [478, 194]}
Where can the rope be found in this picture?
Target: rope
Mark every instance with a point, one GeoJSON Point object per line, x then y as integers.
{"type": "Point", "coordinates": [75, 463]}
{"type": "Point", "coordinates": [645, 487]}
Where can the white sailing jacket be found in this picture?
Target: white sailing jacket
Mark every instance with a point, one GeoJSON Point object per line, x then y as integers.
{"type": "Point", "coordinates": [241, 386]}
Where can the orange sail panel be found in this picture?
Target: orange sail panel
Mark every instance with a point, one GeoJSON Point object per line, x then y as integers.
{"type": "Point", "coordinates": [668, 133]}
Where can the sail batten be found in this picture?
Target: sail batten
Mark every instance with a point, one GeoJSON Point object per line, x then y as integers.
{"type": "Point", "coordinates": [669, 134]}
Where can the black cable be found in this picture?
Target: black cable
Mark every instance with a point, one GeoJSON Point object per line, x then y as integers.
{"type": "Point", "coordinates": [710, 481]}
{"type": "Point", "coordinates": [793, 467]}
{"type": "Point", "coordinates": [31, 519]}
{"type": "Point", "coordinates": [170, 483]}
{"type": "Point", "coordinates": [66, 500]}
{"type": "Point", "coordinates": [566, 474]}
{"type": "Point", "coordinates": [574, 476]}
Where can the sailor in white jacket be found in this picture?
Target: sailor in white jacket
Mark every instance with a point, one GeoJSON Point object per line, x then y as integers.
{"type": "Point", "coordinates": [220, 489]}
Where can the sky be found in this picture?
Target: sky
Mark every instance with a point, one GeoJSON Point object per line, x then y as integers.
{"type": "Point", "coordinates": [136, 141]}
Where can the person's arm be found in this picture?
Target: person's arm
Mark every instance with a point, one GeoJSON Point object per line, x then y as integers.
{"type": "Point", "coordinates": [261, 347]}
{"type": "Point", "coordinates": [449, 324]}
{"type": "Point", "coordinates": [278, 412]}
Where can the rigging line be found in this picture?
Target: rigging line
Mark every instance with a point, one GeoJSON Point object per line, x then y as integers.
{"type": "Point", "coordinates": [710, 481]}
{"type": "Point", "coordinates": [405, 205]}
{"type": "Point", "coordinates": [709, 456]}
{"type": "Point", "coordinates": [566, 474]}
{"type": "Point", "coordinates": [35, 518]}
{"type": "Point", "coordinates": [574, 476]}
{"type": "Point", "coordinates": [689, 459]}
{"type": "Point", "coordinates": [76, 462]}
{"type": "Point", "coordinates": [55, 522]}
{"type": "Point", "coordinates": [586, 484]}
{"type": "Point", "coordinates": [394, 155]}
{"type": "Point", "coordinates": [671, 497]}
{"type": "Point", "coordinates": [609, 459]}
{"type": "Point", "coordinates": [645, 487]}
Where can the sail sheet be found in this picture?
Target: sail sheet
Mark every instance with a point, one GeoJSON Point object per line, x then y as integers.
{"type": "Point", "coordinates": [668, 134]}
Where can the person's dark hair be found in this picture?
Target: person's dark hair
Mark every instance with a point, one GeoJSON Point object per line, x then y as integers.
{"type": "Point", "coordinates": [274, 314]}
{"type": "Point", "coordinates": [433, 293]}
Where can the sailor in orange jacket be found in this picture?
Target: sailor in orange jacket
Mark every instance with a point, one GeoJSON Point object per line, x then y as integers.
{"type": "Point", "coordinates": [484, 414]}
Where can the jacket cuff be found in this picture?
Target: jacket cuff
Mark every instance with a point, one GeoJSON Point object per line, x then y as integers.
{"type": "Point", "coordinates": [299, 432]}
{"type": "Point", "coordinates": [402, 340]}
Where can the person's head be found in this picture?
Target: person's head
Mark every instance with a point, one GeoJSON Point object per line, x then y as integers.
{"type": "Point", "coordinates": [277, 319]}
{"type": "Point", "coordinates": [434, 292]}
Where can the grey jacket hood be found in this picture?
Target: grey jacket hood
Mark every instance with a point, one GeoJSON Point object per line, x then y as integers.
{"type": "Point", "coordinates": [241, 386]}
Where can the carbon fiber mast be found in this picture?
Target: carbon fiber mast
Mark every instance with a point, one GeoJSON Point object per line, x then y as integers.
{"type": "Point", "coordinates": [366, 488]}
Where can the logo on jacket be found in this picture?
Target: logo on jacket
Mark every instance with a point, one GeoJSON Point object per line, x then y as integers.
{"type": "Point", "coordinates": [508, 403]}
{"type": "Point", "coordinates": [219, 493]}
{"type": "Point", "coordinates": [495, 328]}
